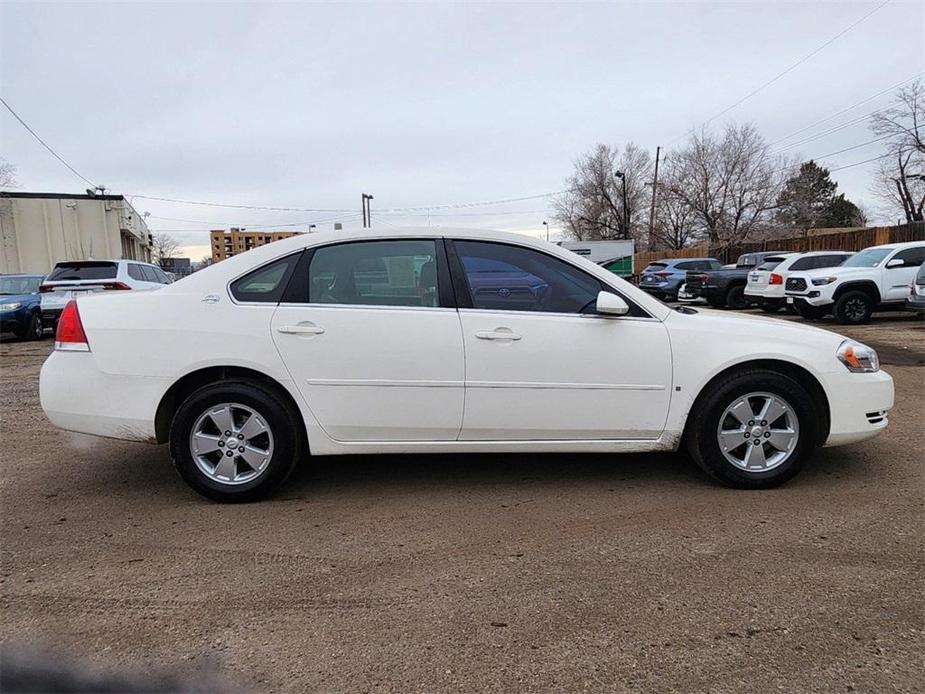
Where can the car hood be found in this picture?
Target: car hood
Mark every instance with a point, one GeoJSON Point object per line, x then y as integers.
{"type": "Point", "coordinates": [20, 298]}
{"type": "Point", "coordinates": [773, 331]}
{"type": "Point", "coordinates": [835, 272]}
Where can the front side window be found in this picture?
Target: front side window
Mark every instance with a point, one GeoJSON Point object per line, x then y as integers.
{"type": "Point", "coordinates": [150, 275]}
{"type": "Point", "coordinates": [375, 273]}
{"type": "Point", "coordinates": [512, 278]}
{"type": "Point", "coordinates": [134, 271]}
{"type": "Point", "coordinates": [911, 257]}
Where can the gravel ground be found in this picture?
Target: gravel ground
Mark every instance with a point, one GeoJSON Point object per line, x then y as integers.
{"type": "Point", "coordinates": [472, 573]}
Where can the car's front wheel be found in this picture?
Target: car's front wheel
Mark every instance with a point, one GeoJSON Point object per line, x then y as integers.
{"type": "Point", "coordinates": [809, 311]}
{"type": "Point", "coordinates": [753, 429]}
{"type": "Point", "coordinates": [235, 440]}
{"type": "Point", "coordinates": [36, 330]}
{"type": "Point", "coordinates": [853, 307]}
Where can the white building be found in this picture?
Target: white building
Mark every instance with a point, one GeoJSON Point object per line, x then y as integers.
{"type": "Point", "coordinates": [38, 230]}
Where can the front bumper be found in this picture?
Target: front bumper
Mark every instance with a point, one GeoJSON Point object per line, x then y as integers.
{"type": "Point", "coordinates": [77, 396]}
{"type": "Point", "coordinates": [13, 321]}
{"type": "Point", "coordinates": [858, 405]}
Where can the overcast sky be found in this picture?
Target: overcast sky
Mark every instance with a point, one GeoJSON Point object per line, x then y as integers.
{"type": "Point", "coordinates": [308, 105]}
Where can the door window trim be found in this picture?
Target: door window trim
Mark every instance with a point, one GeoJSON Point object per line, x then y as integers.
{"type": "Point", "coordinates": [464, 296]}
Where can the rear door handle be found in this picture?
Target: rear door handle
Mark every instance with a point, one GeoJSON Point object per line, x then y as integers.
{"type": "Point", "coordinates": [301, 329]}
{"type": "Point", "coordinates": [497, 334]}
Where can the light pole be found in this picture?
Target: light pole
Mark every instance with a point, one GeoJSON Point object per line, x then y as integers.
{"type": "Point", "coordinates": [312, 226]}
{"type": "Point", "coordinates": [622, 176]}
{"type": "Point", "coordinates": [546, 224]}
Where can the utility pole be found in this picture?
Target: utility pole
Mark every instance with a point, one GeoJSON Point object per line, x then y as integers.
{"type": "Point", "coordinates": [626, 218]}
{"type": "Point", "coordinates": [658, 151]}
{"type": "Point", "coordinates": [546, 224]}
{"type": "Point", "coordinates": [363, 205]}
{"type": "Point", "coordinates": [367, 210]}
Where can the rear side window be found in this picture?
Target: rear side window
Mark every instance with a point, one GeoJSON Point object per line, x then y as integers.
{"type": "Point", "coordinates": [691, 265]}
{"type": "Point", "coordinates": [83, 270]}
{"type": "Point", "coordinates": [375, 273]}
{"type": "Point", "coordinates": [265, 284]}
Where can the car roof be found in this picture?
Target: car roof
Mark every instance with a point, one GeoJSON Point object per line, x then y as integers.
{"type": "Point", "coordinates": [678, 260]}
{"type": "Point", "coordinates": [897, 246]}
{"type": "Point", "coordinates": [23, 274]}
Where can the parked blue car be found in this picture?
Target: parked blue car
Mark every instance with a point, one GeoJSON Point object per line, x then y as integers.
{"type": "Point", "coordinates": [21, 307]}
{"type": "Point", "coordinates": [662, 279]}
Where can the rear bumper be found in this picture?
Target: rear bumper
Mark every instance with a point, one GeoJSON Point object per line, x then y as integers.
{"type": "Point", "coordinates": [916, 304]}
{"type": "Point", "coordinates": [858, 405]}
{"type": "Point", "coordinates": [77, 396]}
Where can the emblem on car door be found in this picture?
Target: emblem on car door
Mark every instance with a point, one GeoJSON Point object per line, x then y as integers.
{"type": "Point", "coordinates": [210, 299]}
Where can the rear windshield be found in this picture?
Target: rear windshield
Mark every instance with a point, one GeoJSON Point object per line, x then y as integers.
{"type": "Point", "coordinates": [770, 263]}
{"type": "Point", "coordinates": [84, 270]}
{"type": "Point", "coordinates": [655, 267]}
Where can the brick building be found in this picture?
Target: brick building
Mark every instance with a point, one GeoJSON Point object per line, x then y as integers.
{"type": "Point", "coordinates": [225, 244]}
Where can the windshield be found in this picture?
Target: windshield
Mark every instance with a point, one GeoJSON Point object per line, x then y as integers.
{"type": "Point", "coordinates": [88, 270]}
{"type": "Point", "coordinates": [872, 257]}
{"type": "Point", "coordinates": [11, 286]}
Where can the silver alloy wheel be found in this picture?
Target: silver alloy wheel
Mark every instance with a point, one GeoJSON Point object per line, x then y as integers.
{"type": "Point", "coordinates": [231, 443]}
{"type": "Point", "coordinates": [758, 432]}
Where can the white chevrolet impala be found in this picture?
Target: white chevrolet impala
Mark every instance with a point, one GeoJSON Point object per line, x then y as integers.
{"type": "Point", "coordinates": [437, 340]}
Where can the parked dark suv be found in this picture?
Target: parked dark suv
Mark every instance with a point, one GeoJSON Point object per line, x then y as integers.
{"type": "Point", "coordinates": [726, 287]}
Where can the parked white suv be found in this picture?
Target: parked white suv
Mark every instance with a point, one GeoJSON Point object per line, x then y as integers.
{"type": "Point", "coordinates": [72, 278]}
{"type": "Point", "coordinates": [766, 282]}
{"type": "Point", "coordinates": [877, 278]}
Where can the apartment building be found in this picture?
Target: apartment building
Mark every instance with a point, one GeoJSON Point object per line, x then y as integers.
{"type": "Point", "coordinates": [228, 243]}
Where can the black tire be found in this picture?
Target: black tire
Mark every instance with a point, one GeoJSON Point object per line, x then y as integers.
{"type": "Point", "coordinates": [853, 308]}
{"type": "Point", "coordinates": [736, 299]}
{"type": "Point", "coordinates": [716, 302]}
{"type": "Point", "coordinates": [36, 329]}
{"type": "Point", "coordinates": [810, 312]}
{"type": "Point", "coordinates": [771, 305]}
{"type": "Point", "coordinates": [285, 425]}
{"type": "Point", "coordinates": [701, 433]}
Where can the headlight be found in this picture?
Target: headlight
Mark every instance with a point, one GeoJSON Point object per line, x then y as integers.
{"type": "Point", "coordinates": [858, 358]}
{"type": "Point", "coordinates": [822, 281]}
{"type": "Point", "coordinates": [9, 307]}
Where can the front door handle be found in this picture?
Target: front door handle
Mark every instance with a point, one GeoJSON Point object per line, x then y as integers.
{"type": "Point", "coordinates": [301, 329]}
{"type": "Point", "coordinates": [497, 334]}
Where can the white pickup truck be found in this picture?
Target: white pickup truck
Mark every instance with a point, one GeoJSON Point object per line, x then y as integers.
{"type": "Point", "coordinates": [875, 279]}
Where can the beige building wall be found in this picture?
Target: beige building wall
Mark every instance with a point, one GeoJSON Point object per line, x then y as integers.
{"type": "Point", "coordinates": [39, 230]}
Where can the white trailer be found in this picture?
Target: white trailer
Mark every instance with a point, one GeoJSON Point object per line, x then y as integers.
{"type": "Point", "coordinates": [616, 256]}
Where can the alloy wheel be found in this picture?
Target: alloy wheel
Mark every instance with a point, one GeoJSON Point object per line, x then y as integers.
{"type": "Point", "coordinates": [855, 309]}
{"type": "Point", "coordinates": [758, 432]}
{"type": "Point", "coordinates": [231, 443]}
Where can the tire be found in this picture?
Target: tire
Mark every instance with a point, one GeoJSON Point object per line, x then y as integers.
{"type": "Point", "coordinates": [36, 329]}
{"type": "Point", "coordinates": [853, 308]}
{"type": "Point", "coordinates": [771, 305]}
{"type": "Point", "coordinates": [716, 302]}
{"type": "Point", "coordinates": [810, 312]}
{"type": "Point", "coordinates": [736, 299]}
{"type": "Point", "coordinates": [709, 416]}
{"type": "Point", "coordinates": [281, 439]}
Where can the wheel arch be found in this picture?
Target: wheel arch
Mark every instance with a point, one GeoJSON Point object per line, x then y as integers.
{"type": "Point", "coordinates": [867, 286]}
{"type": "Point", "coordinates": [794, 371]}
{"type": "Point", "coordinates": [188, 383]}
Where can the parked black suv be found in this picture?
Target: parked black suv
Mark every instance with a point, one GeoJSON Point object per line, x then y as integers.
{"type": "Point", "coordinates": [726, 287]}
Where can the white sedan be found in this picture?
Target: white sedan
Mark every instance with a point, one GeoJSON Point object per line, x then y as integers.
{"type": "Point", "coordinates": [423, 340]}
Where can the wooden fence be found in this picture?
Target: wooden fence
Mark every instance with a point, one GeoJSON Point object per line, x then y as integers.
{"type": "Point", "coordinates": [850, 240]}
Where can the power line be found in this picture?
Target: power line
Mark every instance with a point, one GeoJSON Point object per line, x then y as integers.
{"type": "Point", "coordinates": [859, 163]}
{"type": "Point", "coordinates": [45, 144]}
{"type": "Point", "coordinates": [848, 108]}
{"type": "Point", "coordinates": [791, 68]}
{"type": "Point", "coordinates": [832, 154]}
{"type": "Point", "coordinates": [828, 132]}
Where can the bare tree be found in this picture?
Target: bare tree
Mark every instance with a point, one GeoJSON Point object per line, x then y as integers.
{"type": "Point", "coordinates": [163, 246]}
{"type": "Point", "coordinates": [592, 206]}
{"type": "Point", "coordinates": [674, 219]}
{"type": "Point", "coordinates": [730, 183]}
{"type": "Point", "coordinates": [900, 182]}
{"type": "Point", "coordinates": [206, 261]}
{"type": "Point", "coordinates": [7, 174]}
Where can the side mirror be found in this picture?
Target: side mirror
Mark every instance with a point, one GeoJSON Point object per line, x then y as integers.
{"type": "Point", "coordinates": [611, 305]}
{"type": "Point", "coordinates": [896, 262]}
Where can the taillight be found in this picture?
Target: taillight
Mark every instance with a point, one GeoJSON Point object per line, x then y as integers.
{"type": "Point", "coordinates": [776, 279]}
{"type": "Point", "coordinates": [45, 288]}
{"type": "Point", "coordinates": [70, 336]}
{"type": "Point", "coordinates": [115, 285]}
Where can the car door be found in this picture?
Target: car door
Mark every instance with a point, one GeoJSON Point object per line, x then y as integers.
{"type": "Point", "coordinates": [372, 340]}
{"type": "Point", "coordinates": [896, 280]}
{"type": "Point", "coordinates": [540, 364]}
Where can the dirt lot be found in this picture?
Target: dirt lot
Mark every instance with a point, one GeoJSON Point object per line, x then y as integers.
{"type": "Point", "coordinates": [496, 573]}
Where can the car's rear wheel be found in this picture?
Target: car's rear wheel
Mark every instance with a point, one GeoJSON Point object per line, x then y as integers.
{"type": "Point", "coordinates": [235, 441]}
{"type": "Point", "coordinates": [753, 429]}
{"type": "Point", "coordinates": [853, 307]}
{"type": "Point", "coordinates": [736, 299]}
